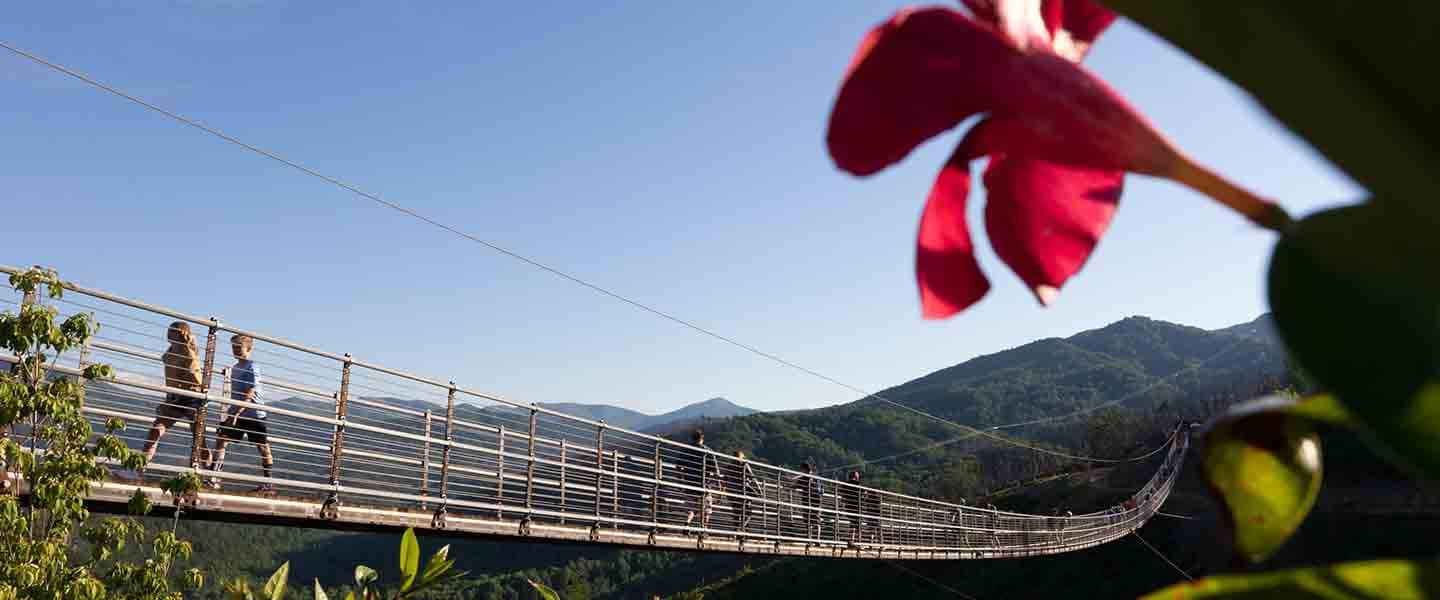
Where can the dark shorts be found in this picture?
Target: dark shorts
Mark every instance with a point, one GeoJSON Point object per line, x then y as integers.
{"type": "Point", "coordinates": [245, 427]}
{"type": "Point", "coordinates": [175, 408]}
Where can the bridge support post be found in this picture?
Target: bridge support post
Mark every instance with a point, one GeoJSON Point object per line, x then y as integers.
{"type": "Point", "coordinates": [655, 490]}
{"type": "Point", "coordinates": [500, 475]}
{"type": "Point", "coordinates": [337, 442]}
{"type": "Point", "coordinates": [599, 467]}
{"type": "Point", "coordinates": [530, 466]}
{"type": "Point", "coordinates": [425, 463]}
{"type": "Point", "coordinates": [197, 423]}
{"type": "Point", "coordinates": [779, 508]}
{"type": "Point", "coordinates": [615, 487]}
{"type": "Point", "coordinates": [84, 360]}
{"type": "Point", "coordinates": [439, 521]}
{"type": "Point", "coordinates": [563, 507]}
{"type": "Point", "coordinates": [9, 484]}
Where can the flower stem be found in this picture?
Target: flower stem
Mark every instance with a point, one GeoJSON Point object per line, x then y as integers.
{"type": "Point", "coordinates": [1258, 210]}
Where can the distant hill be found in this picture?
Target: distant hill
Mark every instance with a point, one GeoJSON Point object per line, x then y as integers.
{"type": "Point", "coordinates": [1154, 360]}
{"type": "Point", "coordinates": [1141, 372]}
{"type": "Point", "coordinates": [1262, 328]}
{"type": "Point", "coordinates": [714, 408]}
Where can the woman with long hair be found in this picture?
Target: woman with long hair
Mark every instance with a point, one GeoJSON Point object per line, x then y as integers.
{"type": "Point", "coordinates": [182, 372]}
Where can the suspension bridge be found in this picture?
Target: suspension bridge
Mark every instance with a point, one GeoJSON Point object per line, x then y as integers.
{"type": "Point", "coordinates": [357, 445]}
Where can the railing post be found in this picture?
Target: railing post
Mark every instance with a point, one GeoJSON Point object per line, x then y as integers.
{"type": "Point", "coordinates": [30, 298]}
{"type": "Point", "coordinates": [197, 426]}
{"type": "Point", "coordinates": [500, 476]}
{"type": "Point", "coordinates": [530, 467]}
{"type": "Point", "coordinates": [337, 443]}
{"type": "Point", "coordinates": [449, 441]}
{"type": "Point", "coordinates": [563, 507]}
{"type": "Point", "coordinates": [84, 359]}
{"type": "Point", "coordinates": [615, 487]}
{"type": "Point", "coordinates": [779, 506]}
{"type": "Point", "coordinates": [599, 466]}
{"type": "Point", "coordinates": [655, 492]}
{"type": "Point", "coordinates": [425, 463]}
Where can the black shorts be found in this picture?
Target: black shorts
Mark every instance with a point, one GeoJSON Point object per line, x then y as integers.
{"type": "Point", "coordinates": [245, 427]}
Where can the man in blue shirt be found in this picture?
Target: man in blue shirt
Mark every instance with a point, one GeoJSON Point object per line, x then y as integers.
{"type": "Point", "coordinates": [245, 419]}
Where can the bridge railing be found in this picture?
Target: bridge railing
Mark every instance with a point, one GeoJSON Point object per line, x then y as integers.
{"type": "Point", "coordinates": [348, 431]}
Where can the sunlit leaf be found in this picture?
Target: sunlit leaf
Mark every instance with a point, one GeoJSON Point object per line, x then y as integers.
{"type": "Point", "coordinates": [1311, 63]}
{"type": "Point", "coordinates": [320, 591]}
{"type": "Point", "coordinates": [1357, 300]}
{"type": "Point", "coordinates": [409, 559]}
{"type": "Point", "coordinates": [439, 564]}
{"type": "Point", "coordinates": [1390, 579]}
{"type": "Point", "coordinates": [275, 587]}
{"type": "Point", "coordinates": [1261, 460]}
{"type": "Point", "coordinates": [545, 592]}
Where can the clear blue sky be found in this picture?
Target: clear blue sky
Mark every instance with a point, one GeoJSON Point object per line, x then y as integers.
{"type": "Point", "coordinates": [671, 151]}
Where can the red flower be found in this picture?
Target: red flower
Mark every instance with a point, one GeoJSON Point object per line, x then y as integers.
{"type": "Point", "coordinates": [1059, 139]}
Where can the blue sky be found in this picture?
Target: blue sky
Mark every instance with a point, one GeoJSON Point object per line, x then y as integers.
{"type": "Point", "coordinates": [672, 152]}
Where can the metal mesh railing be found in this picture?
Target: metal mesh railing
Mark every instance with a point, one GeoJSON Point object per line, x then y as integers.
{"type": "Point", "coordinates": [343, 431]}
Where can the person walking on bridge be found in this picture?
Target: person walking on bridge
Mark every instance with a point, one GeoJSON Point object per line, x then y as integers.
{"type": "Point", "coordinates": [244, 420]}
{"type": "Point", "coordinates": [850, 498]}
{"type": "Point", "coordinates": [182, 372]}
{"type": "Point", "coordinates": [746, 486]}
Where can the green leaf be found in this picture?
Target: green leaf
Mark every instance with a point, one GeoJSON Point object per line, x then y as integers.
{"type": "Point", "coordinates": [320, 591]}
{"type": "Point", "coordinates": [409, 559]}
{"type": "Point", "coordinates": [194, 579]}
{"type": "Point", "coordinates": [438, 565]}
{"type": "Point", "coordinates": [275, 587]}
{"type": "Point", "coordinates": [1314, 64]}
{"type": "Point", "coordinates": [139, 503]}
{"type": "Point", "coordinates": [545, 592]}
{"type": "Point", "coordinates": [1357, 302]}
{"type": "Point", "coordinates": [365, 576]}
{"type": "Point", "coordinates": [1391, 579]}
{"type": "Point", "coordinates": [1262, 462]}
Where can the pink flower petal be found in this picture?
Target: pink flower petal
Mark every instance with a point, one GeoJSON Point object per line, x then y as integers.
{"type": "Point", "coordinates": [923, 72]}
{"type": "Point", "coordinates": [1044, 219]}
{"type": "Point", "coordinates": [914, 76]}
{"type": "Point", "coordinates": [949, 277]}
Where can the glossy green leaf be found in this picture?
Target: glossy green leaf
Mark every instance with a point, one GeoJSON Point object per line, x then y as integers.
{"type": "Point", "coordinates": [409, 559]}
{"type": "Point", "coordinates": [1352, 77]}
{"type": "Point", "coordinates": [545, 592]}
{"type": "Point", "coordinates": [275, 587]}
{"type": "Point", "coordinates": [439, 565]}
{"type": "Point", "coordinates": [1357, 300]}
{"type": "Point", "coordinates": [1261, 460]}
{"type": "Point", "coordinates": [1390, 579]}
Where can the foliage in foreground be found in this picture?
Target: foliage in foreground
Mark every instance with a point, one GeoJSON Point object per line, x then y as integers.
{"type": "Point", "coordinates": [367, 580]}
{"type": "Point", "coordinates": [58, 460]}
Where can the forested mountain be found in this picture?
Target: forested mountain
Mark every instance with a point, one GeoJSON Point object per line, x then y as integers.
{"type": "Point", "coordinates": [714, 408]}
{"type": "Point", "coordinates": [1122, 387]}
